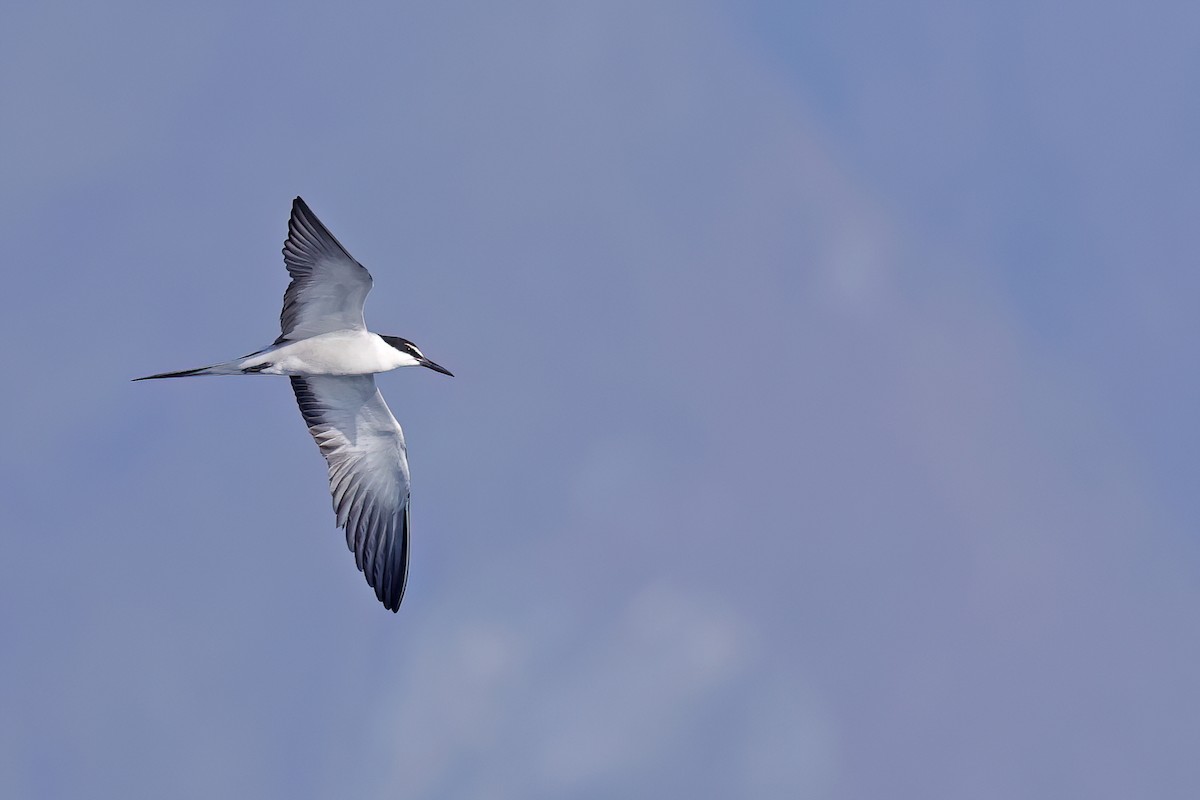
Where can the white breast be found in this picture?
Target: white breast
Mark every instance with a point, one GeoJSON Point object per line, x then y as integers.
{"type": "Point", "coordinates": [337, 353]}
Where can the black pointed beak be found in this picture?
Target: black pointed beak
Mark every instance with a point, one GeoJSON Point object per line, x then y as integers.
{"type": "Point", "coordinates": [425, 362]}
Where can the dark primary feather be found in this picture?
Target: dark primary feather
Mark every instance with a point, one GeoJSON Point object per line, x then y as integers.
{"type": "Point", "coordinates": [368, 474]}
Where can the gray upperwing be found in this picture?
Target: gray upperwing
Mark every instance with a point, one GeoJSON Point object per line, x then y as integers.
{"type": "Point", "coordinates": [328, 286]}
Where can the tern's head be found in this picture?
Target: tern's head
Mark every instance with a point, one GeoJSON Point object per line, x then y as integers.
{"type": "Point", "coordinates": [409, 350]}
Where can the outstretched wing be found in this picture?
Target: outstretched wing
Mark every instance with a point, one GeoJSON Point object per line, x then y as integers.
{"type": "Point", "coordinates": [328, 287]}
{"type": "Point", "coordinates": [368, 474]}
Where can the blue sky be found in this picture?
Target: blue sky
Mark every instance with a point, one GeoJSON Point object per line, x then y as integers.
{"type": "Point", "coordinates": [823, 427]}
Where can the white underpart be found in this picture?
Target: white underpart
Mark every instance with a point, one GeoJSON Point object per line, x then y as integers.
{"type": "Point", "coordinates": [337, 353]}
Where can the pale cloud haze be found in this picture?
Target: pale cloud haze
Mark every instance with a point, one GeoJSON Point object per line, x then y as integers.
{"type": "Point", "coordinates": [823, 424]}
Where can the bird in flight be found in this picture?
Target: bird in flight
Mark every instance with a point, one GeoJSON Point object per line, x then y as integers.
{"type": "Point", "coordinates": [331, 358]}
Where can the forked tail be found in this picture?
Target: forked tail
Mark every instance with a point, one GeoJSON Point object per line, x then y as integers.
{"type": "Point", "coordinates": [253, 364]}
{"type": "Point", "coordinates": [229, 368]}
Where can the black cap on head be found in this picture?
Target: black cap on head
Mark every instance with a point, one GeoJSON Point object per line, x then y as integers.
{"type": "Point", "coordinates": [405, 346]}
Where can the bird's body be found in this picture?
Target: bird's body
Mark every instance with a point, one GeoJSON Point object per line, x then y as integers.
{"type": "Point", "coordinates": [334, 353]}
{"type": "Point", "coordinates": [331, 358]}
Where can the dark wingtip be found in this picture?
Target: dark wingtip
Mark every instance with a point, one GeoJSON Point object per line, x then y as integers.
{"type": "Point", "coordinates": [391, 592]}
{"type": "Point", "coordinates": [298, 205]}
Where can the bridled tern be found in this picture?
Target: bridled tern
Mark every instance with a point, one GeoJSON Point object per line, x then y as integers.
{"type": "Point", "coordinates": [331, 358]}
